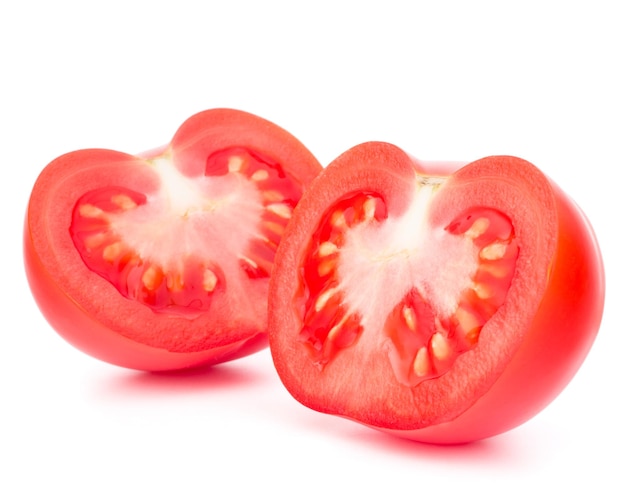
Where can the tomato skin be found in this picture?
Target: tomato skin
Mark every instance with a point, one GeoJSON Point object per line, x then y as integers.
{"type": "Point", "coordinates": [92, 337]}
{"type": "Point", "coordinates": [535, 361]}
{"type": "Point", "coordinates": [555, 346]}
{"type": "Point", "coordinates": [89, 312]}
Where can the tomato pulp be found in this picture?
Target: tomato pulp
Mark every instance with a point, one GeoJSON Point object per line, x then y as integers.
{"type": "Point", "coordinates": [442, 306]}
{"type": "Point", "coordinates": [161, 261]}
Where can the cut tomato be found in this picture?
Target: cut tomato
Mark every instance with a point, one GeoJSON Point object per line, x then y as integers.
{"type": "Point", "coordinates": [439, 306]}
{"type": "Point", "coordinates": [162, 261]}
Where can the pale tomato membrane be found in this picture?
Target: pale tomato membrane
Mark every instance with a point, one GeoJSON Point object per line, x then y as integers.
{"type": "Point", "coordinates": [174, 249]}
{"type": "Point", "coordinates": [419, 293]}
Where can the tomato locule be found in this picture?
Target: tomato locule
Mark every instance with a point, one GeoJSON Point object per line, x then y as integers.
{"type": "Point", "coordinates": [162, 261]}
{"type": "Point", "coordinates": [441, 305]}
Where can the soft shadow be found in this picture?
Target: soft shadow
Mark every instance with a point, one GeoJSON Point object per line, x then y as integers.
{"type": "Point", "coordinates": [526, 446]}
{"type": "Point", "coordinates": [188, 381]}
{"type": "Point", "coordinates": [497, 449]}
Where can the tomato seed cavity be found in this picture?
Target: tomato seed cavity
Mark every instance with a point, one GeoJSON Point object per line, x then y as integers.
{"type": "Point", "coordinates": [456, 279]}
{"type": "Point", "coordinates": [173, 251]}
{"type": "Point", "coordinates": [328, 326]}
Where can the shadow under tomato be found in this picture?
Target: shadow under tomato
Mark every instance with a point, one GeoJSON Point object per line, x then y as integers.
{"type": "Point", "coordinates": [495, 449]}
{"type": "Point", "coordinates": [187, 381]}
{"type": "Point", "coordinates": [523, 448]}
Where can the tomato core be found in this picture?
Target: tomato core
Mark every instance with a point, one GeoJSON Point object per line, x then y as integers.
{"type": "Point", "coordinates": [420, 292]}
{"type": "Point", "coordinates": [175, 248]}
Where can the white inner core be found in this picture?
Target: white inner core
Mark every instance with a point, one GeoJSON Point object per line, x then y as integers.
{"type": "Point", "coordinates": [207, 217]}
{"type": "Point", "coordinates": [381, 262]}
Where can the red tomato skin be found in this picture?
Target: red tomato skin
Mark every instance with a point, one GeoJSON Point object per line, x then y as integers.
{"type": "Point", "coordinates": [88, 334]}
{"type": "Point", "coordinates": [82, 327]}
{"type": "Point", "coordinates": [554, 345]}
{"type": "Point", "coordinates": [562, 334]}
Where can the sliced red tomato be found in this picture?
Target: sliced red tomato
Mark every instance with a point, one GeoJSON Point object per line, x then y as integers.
{"type": "Point", "coordinates": [442, 306]}
{"type": "Point", "coordinates": [162, 261]}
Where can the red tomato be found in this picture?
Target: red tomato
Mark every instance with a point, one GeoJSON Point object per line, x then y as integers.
{"type": "Point", "coordinates": [440, 306]}
{"type": "Point", "coordinates": [162, 261]}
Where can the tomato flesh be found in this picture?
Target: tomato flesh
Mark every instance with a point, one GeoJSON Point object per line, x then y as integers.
{"type": "Point", "coordinates": [328, 326]}
{"type": "Point", "coordinates": [424, 342]}
{"type": "Point", "coordinates": [174, 250]}
{"type": "Point", "coordinates": [423, 336]}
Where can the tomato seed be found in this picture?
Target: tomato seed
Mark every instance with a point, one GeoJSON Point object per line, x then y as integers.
{"type": "Point", "coordinates": [483, 291]}
{"type": "Point", "coordinates": [235, 164]}
{"type": "Point", "coordinates": [409, 318]}
{"type": "Point", "coordinates": [369, 208]}
{"type": "Point", "coordinates": [112, 251]}
{"type": "Point", "coordinates": [493, 251]}
{"type": "Point", "coordinates": [152, 278]}
{"type": "Point", "coordinates": [335, 331]}
{"type": "Point", "coordinates": [260, 175]}
{"type": "Point", "coordinates": [468, 322]}
{"type": "Point", "coordinates": [327, 248]}
{"type": "Point", "coordinates": [326, 267]}
{"type": "Point", "coordinates": [249, 261]}
{"type": "Point", "coordinates": [175, 282]}
{"type": "Point", "coordinates": [252, 268]}
{"type": "Point", "coordinates": [94, 241]}
{"type": "Point", "coordinates": [495, 269]}
{"type": "Point", "coordinates": [277, 228]}
{"type": "Point", "coordinates": [123, 202]}
{"type": "Point", "coordinates": [272, 196]}
{"type": "Point", "coordinates": [479, 227]}
{"type": "Point", "coordinates": [90, 211]}
{"type": "Point", "coordinates": [280, 209]}
{"type": "Point", "coordinates": [338, 220]}
{"type": "Point", "coordinates": [324, 297]}
{"type": "Point", "coordinates": [209, 280]}
{"type": "Point", "coordinates": [440, 346]}
{"type": "Point", "coordinates": [421, 365]}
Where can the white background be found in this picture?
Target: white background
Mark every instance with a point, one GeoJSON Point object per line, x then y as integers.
{"type": "Point", "coordinates": [541, 80]}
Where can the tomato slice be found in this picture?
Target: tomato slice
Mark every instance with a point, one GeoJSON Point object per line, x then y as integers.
{"type": "Point", "coordinates": [442, 307]}
{"type": "Point", "coordinates": [162, 261]}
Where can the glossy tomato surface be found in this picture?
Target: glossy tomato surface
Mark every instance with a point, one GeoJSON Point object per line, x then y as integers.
{"type": "Point", "coordinates": [162, 261]}
{"type": "Point", "coordinates": [441, 306]}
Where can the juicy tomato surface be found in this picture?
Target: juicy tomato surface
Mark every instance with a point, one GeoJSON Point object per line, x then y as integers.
{"type": "Point", "coordinates": [439, 306]}
{"type": "Point", "coordinates": [161, 261]}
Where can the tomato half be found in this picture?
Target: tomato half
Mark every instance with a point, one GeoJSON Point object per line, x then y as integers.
{"type": "Point", "coordinates": [162, 261]}
{"type": "Point", "coordinates": [441, 306]}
